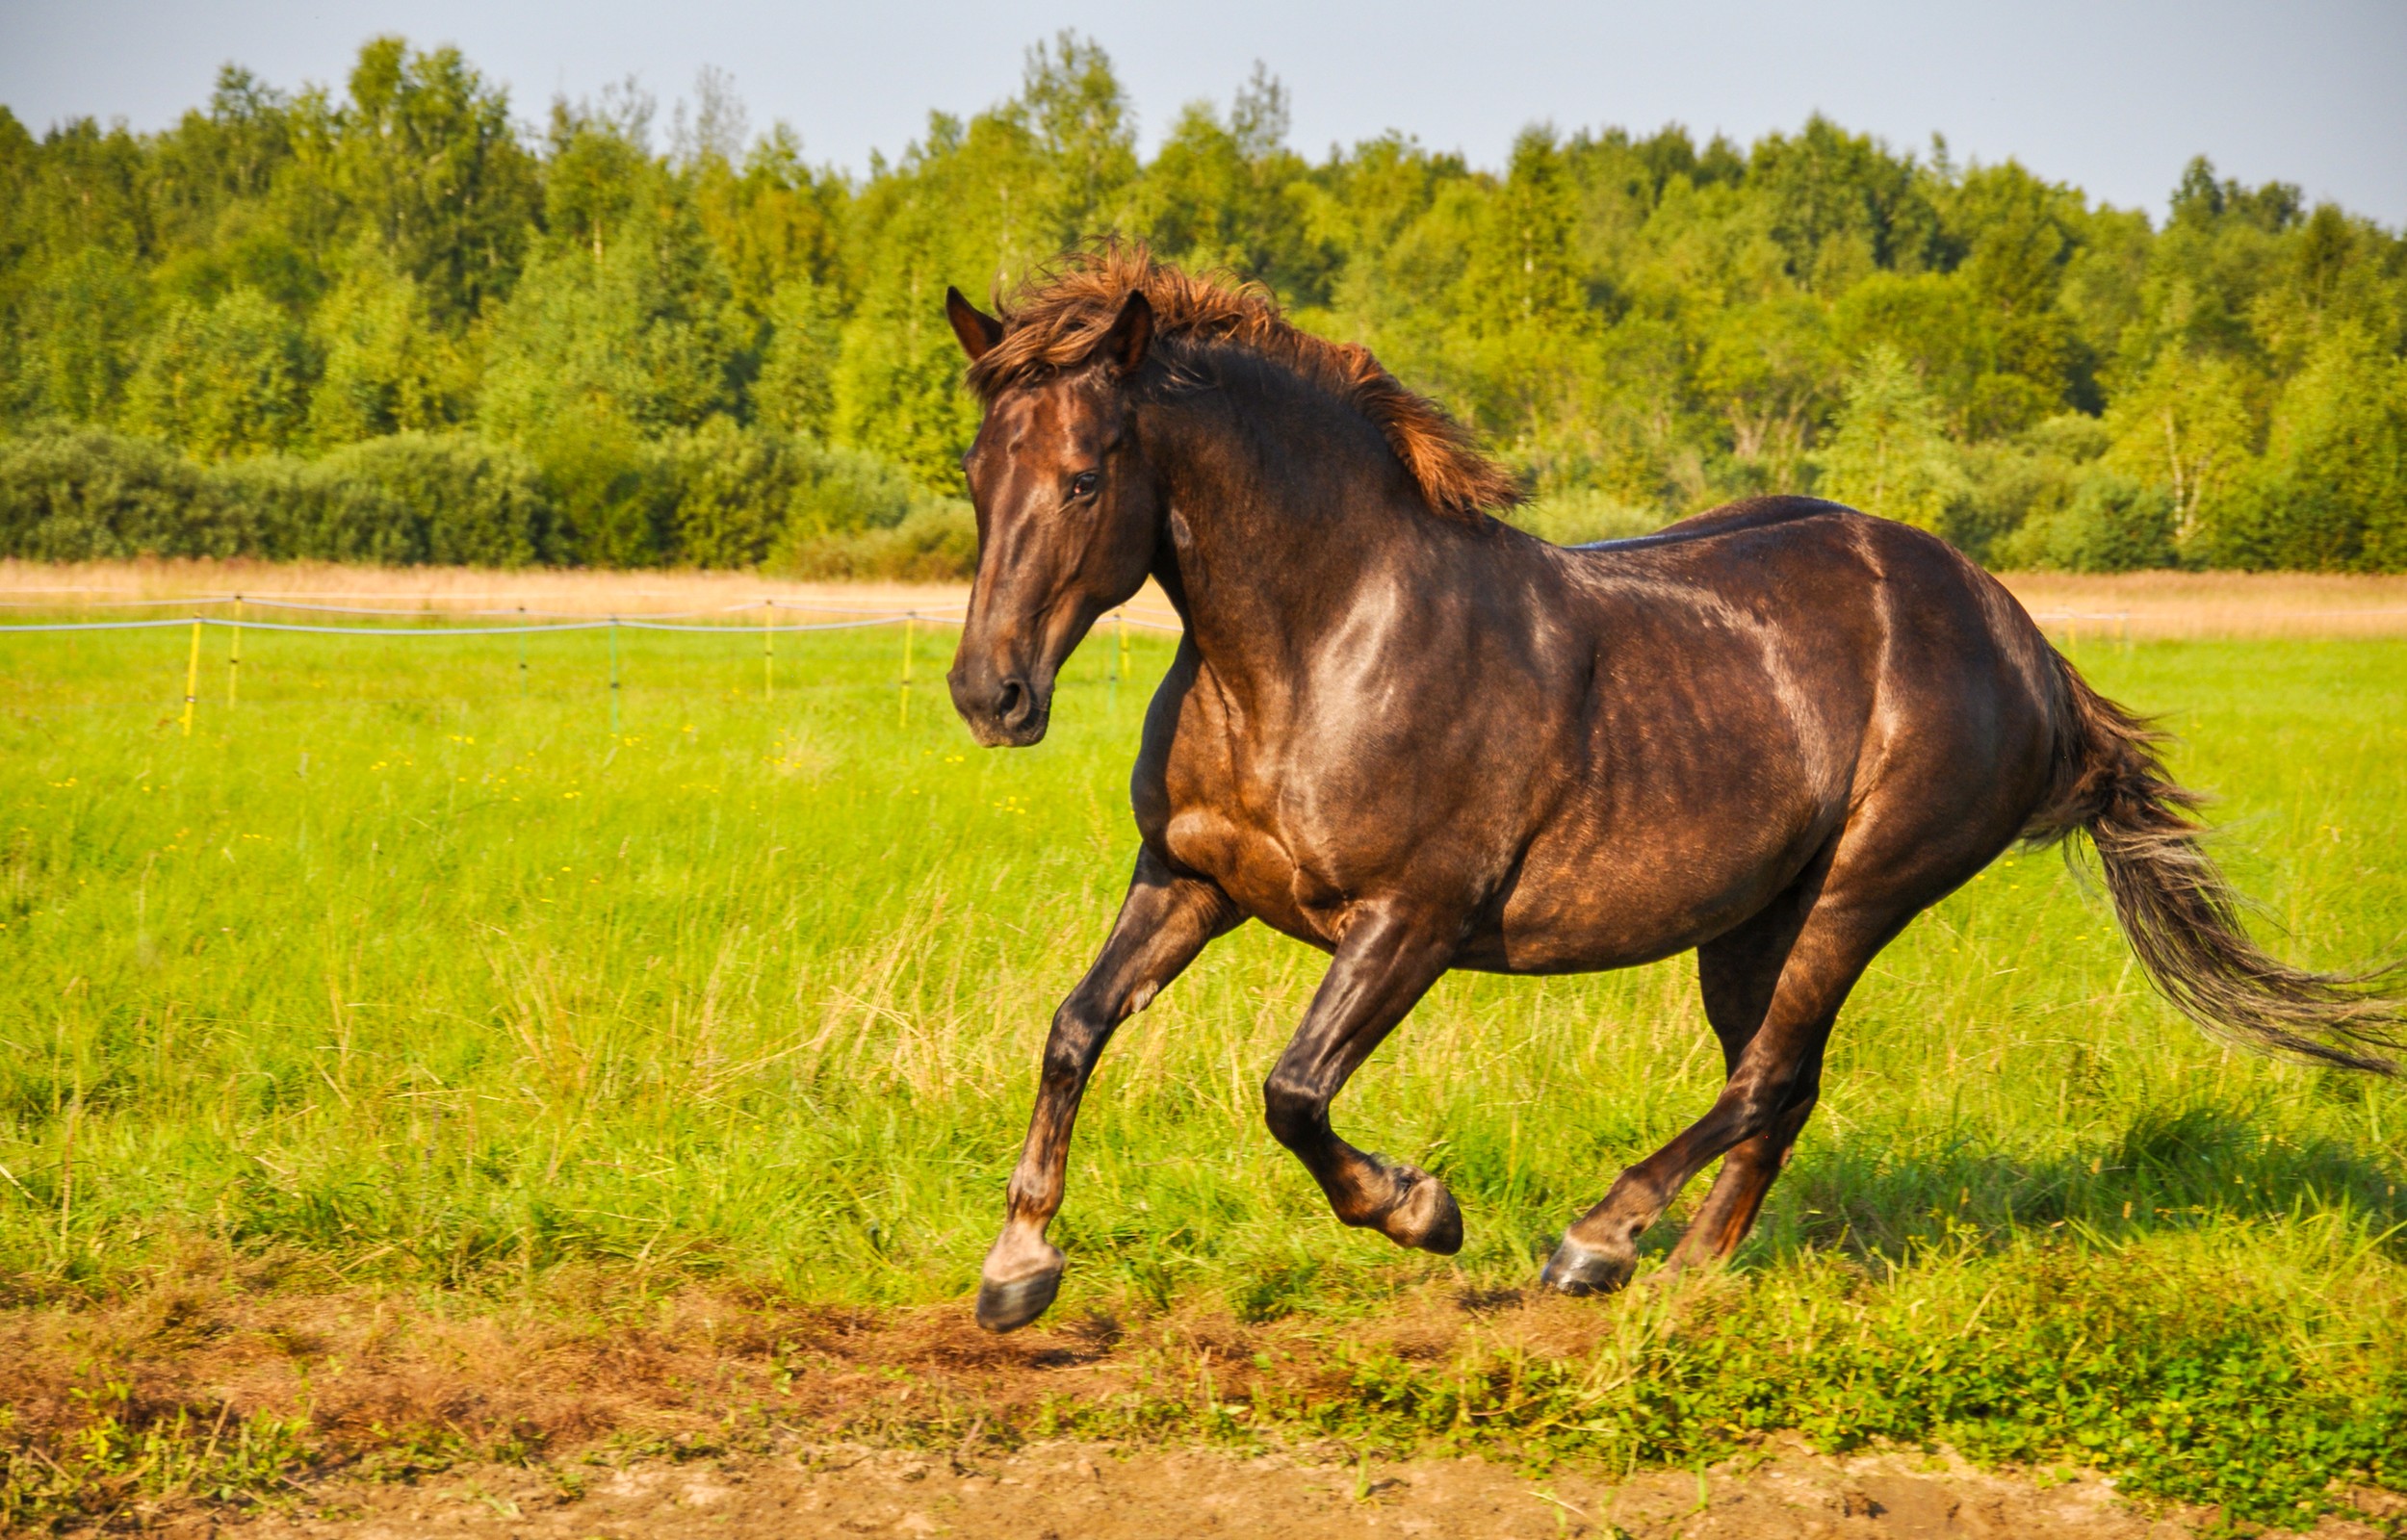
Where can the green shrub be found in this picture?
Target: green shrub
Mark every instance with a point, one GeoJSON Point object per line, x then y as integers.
{"type": "Point", "coordinates": [937, 542]}
{"type": "Point", "coordinates": [450, 498]}
{"type": "Point", "coordinates": [614, 491]}
{"type": "Point", "coordinates": [2112, 523]}
{"type": "Point", "coordinates": [1578, 515]}
{"type": "Point", "coordinates": [87, 495]}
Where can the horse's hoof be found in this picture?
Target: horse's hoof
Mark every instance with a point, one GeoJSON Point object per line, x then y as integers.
{"type": "Point", "coordinates": [1010, 1306]}
{"type": "Point", "coordinates": [1428, 1217]}
{"type": "Point", "coordinates": [1575, 1269]}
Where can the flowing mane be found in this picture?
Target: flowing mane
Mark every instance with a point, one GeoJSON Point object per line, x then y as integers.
{"type": "Point", "coordinates": [1057, 316]}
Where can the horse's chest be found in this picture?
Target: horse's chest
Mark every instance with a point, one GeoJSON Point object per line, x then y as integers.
{"type": "Point", "coordinates": [1220, 822]}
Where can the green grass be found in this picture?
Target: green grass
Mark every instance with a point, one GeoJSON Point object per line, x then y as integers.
{"type": "Point", "coordinates": [412, 967]}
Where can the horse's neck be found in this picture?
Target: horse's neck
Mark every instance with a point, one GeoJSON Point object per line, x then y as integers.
{"type": "Point", "coordinates": [1280, 535]}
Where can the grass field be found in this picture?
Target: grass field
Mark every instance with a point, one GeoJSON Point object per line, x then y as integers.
{"type": "Point", "coordinates": [409, 971]}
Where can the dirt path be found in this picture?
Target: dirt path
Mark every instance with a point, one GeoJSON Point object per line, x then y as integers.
{"type": "Point", "coordinates": [1064, 1491]}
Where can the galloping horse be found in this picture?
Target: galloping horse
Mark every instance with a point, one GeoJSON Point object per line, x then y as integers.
{"type": "Point", "coordinates": [1412, 737]}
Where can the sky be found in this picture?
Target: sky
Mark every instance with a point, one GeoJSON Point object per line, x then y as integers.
{"type": "Point", "coordinates": [2112, 95]}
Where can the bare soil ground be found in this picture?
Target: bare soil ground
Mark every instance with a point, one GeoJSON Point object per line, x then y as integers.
{"type": "Point", "coordinates": [1093, 1492]}
{"type": "Point", "coordinates": [2139, 605]}
{"type": "Point", "coordinates": [723, 1414]}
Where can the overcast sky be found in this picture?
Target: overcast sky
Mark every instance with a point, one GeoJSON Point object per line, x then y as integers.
{"type": "Point", "coordinates": [2112, 95]}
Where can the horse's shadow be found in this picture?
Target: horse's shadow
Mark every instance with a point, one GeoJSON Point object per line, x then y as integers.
{"type": "Point", "coordinates": [2171, 1169]}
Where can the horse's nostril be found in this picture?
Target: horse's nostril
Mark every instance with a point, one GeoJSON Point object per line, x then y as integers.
{"type": "Point", "coordinates": [1011, 703]}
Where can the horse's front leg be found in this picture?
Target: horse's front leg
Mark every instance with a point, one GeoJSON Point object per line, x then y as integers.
{"type": "Point", "coordinates": [1165, 920]}
{"type": "Point", "coordinates": [1383, 965]}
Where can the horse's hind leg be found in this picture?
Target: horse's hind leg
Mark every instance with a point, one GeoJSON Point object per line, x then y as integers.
{"type": "Point", "coordinates": [1383, 965]}
{"type": "Point", "coordinates": [1165, 920]}
{"type": "Point", "coordinates": [1735, 974]}
{"type": "Point", "coordinates": [1771, 1081]}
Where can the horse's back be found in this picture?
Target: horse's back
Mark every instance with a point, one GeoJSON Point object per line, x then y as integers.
{"type": "Point", "coordinates": [1815, 565]}
{"type": "Point", "coordinates": [1750, 513]}
{"type": "Point", "coordinates": [1887, 647]}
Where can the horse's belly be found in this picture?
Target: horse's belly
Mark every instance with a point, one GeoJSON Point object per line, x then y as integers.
{"type": "Point", "coordinates": [1608, 908]}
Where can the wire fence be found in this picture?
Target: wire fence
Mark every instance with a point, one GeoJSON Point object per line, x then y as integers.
{"type": "Point", "coordinates": [530, 623]}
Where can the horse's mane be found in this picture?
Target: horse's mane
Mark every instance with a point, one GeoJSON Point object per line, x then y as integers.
{"type": "Point", "coordinates": [1059, 314]}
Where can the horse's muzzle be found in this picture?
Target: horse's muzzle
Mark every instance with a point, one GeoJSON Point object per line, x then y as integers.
{"type": "Point", "coordinates": [1010, 712]}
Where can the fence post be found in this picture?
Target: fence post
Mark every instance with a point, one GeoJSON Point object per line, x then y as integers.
{"type": "Point", "coordinates": [1124, 647]}
{"type": "Point", "coordinates": [522, 652]}
{"type": "Point", "coordinates": [233, 654]}
{"type": "Point", "coordinates": [192, 677]}
{"type": "Point", "coordinates": [614, 676]}
{"type": "Point", "coordinates": [768, 649]}
{"type": "Point", "coordinates": [902, 701]}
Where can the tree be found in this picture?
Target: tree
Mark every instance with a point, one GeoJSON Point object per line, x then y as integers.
{"type": "Point", "coordinates": [1770, 369]}
{"type": "Point", "coordinates": [1086, 132]}
{"type": "Point", "coordinates": [2186, 427]}
{"type": "Point", "coordinates": [221, 379]}
{"type": "Point", "coordinates": [2332, 492]}
{"type": "Point", "coordinates": [1886, 453]}
{"type": "Point", "coordinates": [795, 391]}
{"type": "Point", "coordinates": [424, 159]}
{"type": "Point", "coordinates": [626, 313]}
{"type": "Point", "coordinates": [81, 334]}
{"type": "Point", "coordinates": [386, 367]}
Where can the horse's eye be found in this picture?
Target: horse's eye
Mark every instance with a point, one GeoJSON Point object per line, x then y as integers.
{"type": "Point", "coordinates": [1083, 483]}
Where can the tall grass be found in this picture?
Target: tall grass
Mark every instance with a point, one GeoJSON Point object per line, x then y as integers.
{"type": "Point", "coordinates": [411, 965]}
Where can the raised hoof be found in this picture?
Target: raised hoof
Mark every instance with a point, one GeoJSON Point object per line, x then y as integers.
{"type": "Point", "coordinates": [1575, 1269]}
{"type": "Point", "coordinates": [1428, 1217]}
{"type": "Point", "coordinates": [1010, 1306]}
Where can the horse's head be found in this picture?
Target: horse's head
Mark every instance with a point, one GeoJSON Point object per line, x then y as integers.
{"type": "Point", "coordinates": [1067, 519]}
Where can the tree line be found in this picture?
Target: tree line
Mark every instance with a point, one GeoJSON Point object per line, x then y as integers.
{"type": "Point", "coordinates": [397, 323]}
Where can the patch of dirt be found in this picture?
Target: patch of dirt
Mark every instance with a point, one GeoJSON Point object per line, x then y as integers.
{"type": "Point", "coordinates": [557, 1415]}
{"type": "Point", "coordinates": [1058, 1492]}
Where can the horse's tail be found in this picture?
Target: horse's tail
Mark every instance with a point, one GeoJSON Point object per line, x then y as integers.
{"type": "Point", "coordinates": [2181, 915]}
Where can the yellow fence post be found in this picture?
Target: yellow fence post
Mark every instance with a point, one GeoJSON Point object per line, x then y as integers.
{"type": "Point", "coordinates": [768, 648]}
{"type": "Point", "coordinates": [902, 703]}
{"type": "Point", "coordinates": [233, 654]}
{"type": "Point", "coordinates": [192, 677]}
{"type": "Point", "coordinates": [1124, 647]}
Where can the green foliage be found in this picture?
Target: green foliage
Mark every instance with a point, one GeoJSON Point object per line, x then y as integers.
{"type": "Point", "coordinates": [385, 367]}
{"type": "Point", "coordinates": [796, 388]}
{"type": "Point", "coordinates": [2331, 492]}
{"type": "Point", "coordinates": [1637, 318]}
{"type": "Point", "coordinates": [1886, 453]}
{"type": "Point", "coordinates": [86, 495]}
{"type": "Point", "coordinates": [426, 164]}
{"type": "Point", "coordinates": [220, 379]}
{"type": "Point", "coordinates": [449, 499]}
{"type": "Point", "coordinates": [2112, 523]}
{"type": "Point", "coordinates": [719, 496]}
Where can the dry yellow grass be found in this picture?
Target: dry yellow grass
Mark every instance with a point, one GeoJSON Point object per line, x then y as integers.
{"type": "Point", "coordinates": [2197, 605]}
{"type": "Point", "coordinates": [450, 588]}
{"type": "Point", "coordinates": [2143, 604]}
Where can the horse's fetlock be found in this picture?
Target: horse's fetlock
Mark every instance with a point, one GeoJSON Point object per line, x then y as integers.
{"type": "Point", "coordinates": [1292, 1110]}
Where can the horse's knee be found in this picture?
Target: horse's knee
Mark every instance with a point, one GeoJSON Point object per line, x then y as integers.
{"type": "Point", "coordinates": [1294, 1111]}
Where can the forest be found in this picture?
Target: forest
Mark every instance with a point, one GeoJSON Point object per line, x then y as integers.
{"type": "Point", "coordinates": [398, 322]}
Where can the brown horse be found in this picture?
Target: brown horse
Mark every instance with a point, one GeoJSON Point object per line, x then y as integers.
{"type": "Point", "coordinates": [1420, 739]}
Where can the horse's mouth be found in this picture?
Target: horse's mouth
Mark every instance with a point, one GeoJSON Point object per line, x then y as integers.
{"type": "Point", "coordinates": [1016, 726]}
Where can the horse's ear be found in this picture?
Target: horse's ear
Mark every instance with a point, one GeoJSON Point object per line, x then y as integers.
{"type": "Point", "coordinates": [1132, 334]}
{"type": "Point", "coordinates": [978, 330]}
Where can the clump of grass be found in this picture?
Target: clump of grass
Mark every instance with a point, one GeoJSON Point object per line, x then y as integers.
{"type": "Point", "coordinates": [421, 972]}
